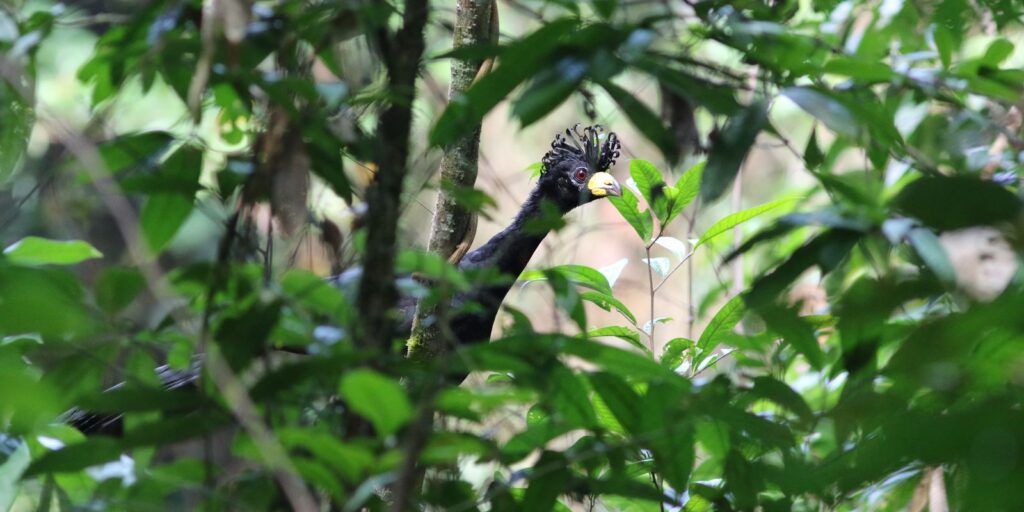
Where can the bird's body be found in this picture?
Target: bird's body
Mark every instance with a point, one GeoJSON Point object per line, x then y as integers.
{"type": "Point", "coordinates": [574, 173]}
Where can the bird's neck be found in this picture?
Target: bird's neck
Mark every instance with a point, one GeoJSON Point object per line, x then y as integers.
{"type": "Point", "coordinates": [510, 250]}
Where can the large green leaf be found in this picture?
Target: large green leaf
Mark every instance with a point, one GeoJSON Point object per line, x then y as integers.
{"type": "Point", "coordinates": [719, 327]}
{"type": "Point", "coordinates": [730, 148]}
{"type": "Point", "coordinates": [735, 219]}
{"type": "Point", "coordinates": [645, 121]}
{"type": "Point", "coordinates": [619, 397]}
{"type": "Point", "coordinates": [518, 61]}
{"type": "Point", "coordinates": [953, 202]}
{"type": "Point", "coordinates": [377, 398]}
{"type": "Point", "coordinates": [628, 206]}
{"type": "Point", "coordinates": [577, 274]}
{"type": "Point", "coordinates": [14, 458]}
{"type": "Point", "coordinates": [33, 250]}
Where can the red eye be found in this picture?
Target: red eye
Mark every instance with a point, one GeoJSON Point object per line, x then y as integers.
{"type": "Point", "coordinates": [581, 174]}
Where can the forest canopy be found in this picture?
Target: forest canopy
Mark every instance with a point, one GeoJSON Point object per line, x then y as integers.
{"type": "Point", "coordinates": [692, 255]}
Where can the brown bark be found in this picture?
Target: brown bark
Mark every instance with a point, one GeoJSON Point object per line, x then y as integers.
{"type": "Point", "coordinates": [474, 24]}
{"type": "Point", "coordinates": [377, 293]}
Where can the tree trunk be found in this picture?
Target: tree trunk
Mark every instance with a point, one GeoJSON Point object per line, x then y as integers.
{"type": "Point", "coordinates": [473, 25]}
{"type": "Point", "coordinates": [377, 293]}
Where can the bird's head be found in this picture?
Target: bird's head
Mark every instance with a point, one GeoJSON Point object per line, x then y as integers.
{"type": "Point", "coordinates": [575, 170]}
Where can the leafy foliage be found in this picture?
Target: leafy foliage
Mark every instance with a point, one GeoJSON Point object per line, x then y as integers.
{"type": "Point", "coordinates": [133, 247]}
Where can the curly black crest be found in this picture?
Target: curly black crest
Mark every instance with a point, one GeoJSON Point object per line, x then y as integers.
{"type": "Point", "coordinates": [583, 145]}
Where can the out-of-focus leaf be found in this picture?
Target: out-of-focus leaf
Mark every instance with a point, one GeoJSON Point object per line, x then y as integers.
{"type": "Point", "coordinates": [628, 206]}
{"type": "Point", "coordinates": [548, 479]}
{"type": "Point", "coordinates": [954, 202]}
{"type": "Point", "coordinates": [162, 217]}
{"type": "Point", "coordinates": [928, 247]}
{"type": "Point", "coordinates": [134, 149]}
{"type": "Point", "coordinates": [735, 219]}
{"type": "Point", "coordinates": [720, 325]}
{"type": "Point", "coordinates": [795, 332]}
{"type": "Point", "coordinates": [14, 458]}
{"type": "Point", "coordinates": [44, 301]}
{"type": "Point", "coordinates": [826, 251]}
{"type": "Point", "coordinates": [518, 61]}
{"type": "Point", "coordinates": [377, 398]}
{"type": "Point", "coordinates": [729, 148]}
{"type": "Point", "coordinates": [33, 250]}
{"type": "Point", "coordinates": [813, 156]}
{"type": "Point", "coordinates": [569, 400]}
{"type": "Point", "coordinates": [825, 108]}
{"type": "Point", "coordinates": [97, 450]}
{"type": "Point", "coordinates": [549, 90]}
{"type": "Point", "coordinates": [117, 287]}
{"type": "Point", "coordinates": [670, 433]}
{"type": "Point", "coordinates": [772, 389]}
{"type": "Point", "coordinates": [605, 8]}
{"type": "Point", "coordinates": [645, 121]}
{"type": "Point", "coordinates": [18, 117]}
{"type": "Point", "coordinates": [622, 362]}
{"type": "Point", "coordinates": [619, 397]}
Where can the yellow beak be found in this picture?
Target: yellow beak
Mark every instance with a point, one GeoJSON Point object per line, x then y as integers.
{"type": "Point", "coordinates": [603, 184]}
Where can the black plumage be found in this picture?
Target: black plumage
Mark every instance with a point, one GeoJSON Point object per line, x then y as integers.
{"type": "Point", "coordinates": [574, 172]}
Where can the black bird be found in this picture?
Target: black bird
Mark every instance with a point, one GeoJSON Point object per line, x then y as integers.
{"type": "Point", "coordinates": [574, 172]}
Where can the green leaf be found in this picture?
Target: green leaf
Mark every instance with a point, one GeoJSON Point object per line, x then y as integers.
{"type": "Point", "coordinates": [162, 217]}
{"type": "Point", "coordinates": [605, 8]}
{"type": "Point", "coordinates": [12, 465]}
{"type": "Point", "coordinates": [719, 327]}
{"type": "Point", "coordinates": [607, 302]}
{"type": "Point", "coordinates": [619, 397]}
{"type": "Point", "coordinates": [647, 178]}
{"type": "Point", "coordinates": [645, 121]}
{"type": "Point", "coordinates": [928, 247]}
{"type": "Point", "coordinates": [576, 274]}
{"type": "Point", "coordinates": [794, 331]}
{"type": "Point", "coordinates": [33, 250]}
{"type": "Point", "coordinates": [836, 116]}
{"type": "Point", "coordinates": [730, 148]}
{"type": "Point", "coordinates": [826, 251]}
{"type": "Point", "coordinates": [19, 116]}
{"type": "Point", "coordinates": [674, 351]}
{"type": "Point", "coordinates": [622, 362]}
{"type": "Point", "coordinates": [518, 61]}
{"type": "Point", "coordinates": [548, 90]}
{"type": "Point", "coordinates": [670, 432]}
{"type": "Point", "coordinates": [117, 287]}
{"type": "Point", "coordinates": [769, 388]}
{"type": "Point", "coordinates": [955, 202]}
{"type": "Point", "coordinates": [548, 480]}
{"type": "Point", "coordinates": [735, 219]}
{"type": "Point", "coordinates": [813, 156]}
{"type": "Point", "coordinates": [377, 398]}
{"type": "Point", "coordinates": [623, 333]}
{"type": "Point", "coordinates": [128, 151]}
{"type": "Point", "coordinates": [687, 189]}
{"type": "Point", "coordinates": [569, 400]}
{"type": "Point", "coordinates": [628, 206]}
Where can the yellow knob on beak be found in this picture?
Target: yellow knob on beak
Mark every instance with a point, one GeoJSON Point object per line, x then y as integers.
{"type": "Point", "coordinates": [603, 184]}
